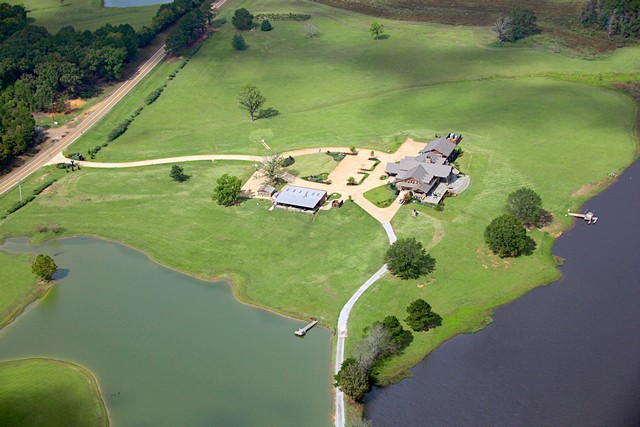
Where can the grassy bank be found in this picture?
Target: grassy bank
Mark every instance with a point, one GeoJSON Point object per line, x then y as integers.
{"type": "Point", "coordinates": [85, 14]}
{"type": "Point", "coordinates": [297, 264]}
{"type": "Point", "coordinates": [18, 286]}
{"type": "Point", "coordinates": [49, 393]}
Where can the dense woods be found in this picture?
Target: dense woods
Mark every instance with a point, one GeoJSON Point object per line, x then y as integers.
{"type": "Point", "coordinates": [616, 17]}
{"type": "Point", "coordinates": [40, 72]}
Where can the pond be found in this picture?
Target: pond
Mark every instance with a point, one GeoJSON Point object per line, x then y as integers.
{"type": "Point", "coordinates": [168, 349]}
{"type": "Point", "coordinates": [133, 3]}
{"type": "Point", "coordinates": [563, 355]}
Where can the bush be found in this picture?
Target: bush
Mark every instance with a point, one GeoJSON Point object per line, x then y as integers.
{"type": "Point", "coordinates": [242, 19]}
{"type": "Point", "coordinates": [119, 130]}
{"type": "Point", "coordinates": [283, 16]}
{"type": "Point", "coordinates": [288, 161]}
{"type": "Point", "coordinates": [336, 155]}
{"type": "Point", "coordinates": [266, 25]}
{"type": "Point", "coordinates": [237, 42]}
{"type": "Point", "coordinates": [150, 99]}
{"type": "Point", "coordinates": [177, 174]}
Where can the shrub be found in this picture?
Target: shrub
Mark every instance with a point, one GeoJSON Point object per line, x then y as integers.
{"type": "Point", "coordinates": [119, 130]}
{"type": "Point", "coordinates": [283, 16]}
{"type": "Point", "coordinates": [151, 98]}
{"type": "Point", "coordinates": [421, 318]}
{"type": "Point", "coordinates": [266, 25]}
{"type": "Point", "coordinates": [177, 174]}
{"type": "Point", "coordinates": [242, 19]}
{"type": "Point", "coordinates": [238, 43]}
{"type": "Point", "coordinates": [288, 161]}
{"type": "Point", "coordinates": [310, 30]}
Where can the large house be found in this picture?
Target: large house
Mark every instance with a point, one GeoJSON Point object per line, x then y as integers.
{"type": "Point", "coordinates": [300, 198]}
{"type": "Point", "coordinates": [428, 174]}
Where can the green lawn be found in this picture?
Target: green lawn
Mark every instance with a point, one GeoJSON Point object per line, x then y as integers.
{"type": "Point", "coordinates": [18, 286]}
{"type": "Point", "coordinates": [48, 393]}
{"type": "Point", "coordinates": [290, 262]}
{"type": "Point", "coordinates": [380, 196]}
{"type": "Point", "coordinates": [85, 14]}
{"type": "Point", "coordinates": [343, 88]}
{"type": "Point", "coordinates": [313, 164]}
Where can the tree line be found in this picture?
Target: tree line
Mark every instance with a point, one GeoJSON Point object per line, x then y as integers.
{"type": "Point", "coordinates": [40, 71]}
{"type": "Point", "coordinates": [616, 17]}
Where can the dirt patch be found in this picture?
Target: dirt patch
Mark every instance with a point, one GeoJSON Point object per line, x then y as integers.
{"type": "Point", "coordinates": [594, 187]}
{"type": "Point", "coordinates": [41, 178]}
{"type": "Point", "coordinates": [76, 104]}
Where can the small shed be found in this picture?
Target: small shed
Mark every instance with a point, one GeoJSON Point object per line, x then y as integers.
{"type": "Point", "coordinates": [266, 191]}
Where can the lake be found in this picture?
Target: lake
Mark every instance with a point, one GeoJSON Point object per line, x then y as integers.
{"type": "Point", "coordinates": [168, 349]}
{"type": "Point", "coordinates": [563, 355]}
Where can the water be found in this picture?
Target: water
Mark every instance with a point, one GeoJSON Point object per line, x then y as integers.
{"type": "Point", "coordinates": [132, 3]}
{"type": "Point", "coordinates": [563, 355]}
{"type": "Point", "coordinates": [167, 349]}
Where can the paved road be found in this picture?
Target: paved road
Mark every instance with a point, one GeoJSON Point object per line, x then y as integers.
{"type": "Point", "coordinates": [10, 180]}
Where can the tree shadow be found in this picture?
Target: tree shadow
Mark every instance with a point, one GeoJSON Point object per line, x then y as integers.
{"type": "Point", "coordinates": [546, 218]}
{"type": "Point", "coordinates": [61, 273]}
{"type": "Point", "coordinates": [383, 37]}
{"type": "Point", "coordinates": [267, 113]}
{"type": "Point", "coordinates": [529, 246]}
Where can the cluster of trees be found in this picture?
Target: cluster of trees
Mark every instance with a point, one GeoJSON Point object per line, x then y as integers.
{"type": "Point", "coordinates": [383, 339]}
{"type": "Point", "coordinates": [518, 24]}
{"type": "Point", "coordinates": [616, 17]}
{"type": "Point", "coordinates": [507, 236]}
{"type": "Point", "coordinates": [40, 71]}
{"type": "Point", "coordinates": [189, 28]}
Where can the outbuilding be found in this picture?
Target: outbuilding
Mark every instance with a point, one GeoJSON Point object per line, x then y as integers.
{"type": "Point", "coordinates": [301, 198]}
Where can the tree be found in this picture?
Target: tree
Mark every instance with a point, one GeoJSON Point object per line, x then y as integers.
{"type": "Point", "coordinates": [518, 24]}
{"type": "Point", "coordinates": [44, 267]}
{"type": "Point", "coordinates": [242, 19]}
{"type": "Point", "coordinates": [266, 25]}
{"type": "Point", "coordinates": [526, 205]}
{"type": "Point", "coordinates": [504, 29]}
{"type": "Point", "coordinates": [238, 43]}
{"type": "Point", "coordinates": [407, 259]}
{"type": "Point", "coordinates": [272, 169]}
{"type": "Point", "coordinates": [421, 318]}
{"type": "Point", "coordinates": [177, 174]}
{"type": "Point", "coordinates": [227, 190]}
{"type": "Point", "coordinates": [251, 99]}
{"type": "Point", "coordinates": [378, 342]}
{"type": "Point", "coordinates": [353, 379]}
{"type": "Point", "coordinates": [310, 30]}
{"type": "Point", "coordinates": [524, 22]}
{"type": "Point", "coordinates": [506, 236]}
{"type": "Point", "coordinates": [376, 30]}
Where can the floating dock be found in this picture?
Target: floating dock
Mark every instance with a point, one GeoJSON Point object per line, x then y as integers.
{"type": "Point", "coordinates": [589, 217]}
{"type": "Point", "coordinates": [301, 332]}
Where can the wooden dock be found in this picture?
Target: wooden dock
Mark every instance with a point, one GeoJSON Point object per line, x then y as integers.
{"type": "Point", "coordinates": [589, 217]}
{"type": "Point", "coordinates": [301, 332]}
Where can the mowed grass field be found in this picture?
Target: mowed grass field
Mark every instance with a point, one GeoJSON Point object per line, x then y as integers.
{"type": "Point", "coordinates": [85, 14]}
{"type": "Point", "coordinates": [313, 164]}
{"type": "Point", "coordinates": [49, 393]}
{"type": "Point", "coordinates": [18, 285]}
{"type": "Point", "coordinates": [296, 264]}
{"type": "Point", "coordinates": [343, 88]}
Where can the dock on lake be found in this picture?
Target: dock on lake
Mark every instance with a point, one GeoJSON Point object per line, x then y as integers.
{"type": "Point", "coordinates": [301, 332]}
